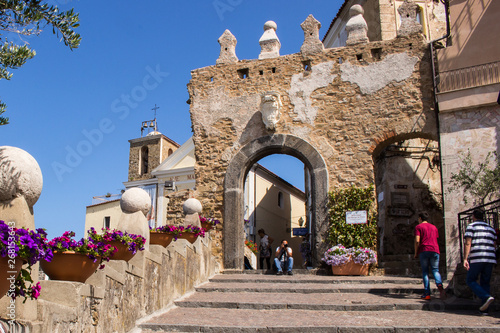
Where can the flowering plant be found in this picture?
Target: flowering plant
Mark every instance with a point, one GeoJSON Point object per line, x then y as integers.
{"type": "Point", "coordinates": [168, 229]}
{"type": "Point", "coordinates": [210, 220]}
{"type": "Point", "coordinates": [252, 246]}
{"type": "Point", "coordinates": [28, 246]}
{"type": "Point", "coordinates": [95, 250]}
{"type": "Point", "coordinates": [132, 241]}
{"type": "Point", "coordinates": [339, 255]}
{"type": "Point", "coordinates": [193, 229]}
{"type": "Point", "coordinates": [178, 230]}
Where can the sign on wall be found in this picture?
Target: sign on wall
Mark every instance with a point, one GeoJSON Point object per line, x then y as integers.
{"type": "Point", "coordinates": [356, 217]}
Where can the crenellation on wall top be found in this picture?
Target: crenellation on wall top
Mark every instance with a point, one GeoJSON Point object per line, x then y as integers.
{"type": "Point", "coordinates": [269, 42]}
{"type": "Point", "coordinates": [249, 71]}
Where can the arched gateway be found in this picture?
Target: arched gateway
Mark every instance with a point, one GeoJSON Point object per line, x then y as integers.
{"type": "Point", "coordinates": [333, 109]}
{"type": "Point", "coordinates": [234, 181]}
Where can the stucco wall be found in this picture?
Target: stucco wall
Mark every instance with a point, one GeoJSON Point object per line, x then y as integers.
{"type": "Point", "coordinates": [94, 216]}
{"type": "Point", "coordinates": [473, 24]}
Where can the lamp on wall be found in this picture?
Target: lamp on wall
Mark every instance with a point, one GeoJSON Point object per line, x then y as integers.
{"type": "Point", "coordinates": [301, 222]}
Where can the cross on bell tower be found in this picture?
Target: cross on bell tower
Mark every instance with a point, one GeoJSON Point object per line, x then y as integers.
{"type": "Point", "coordinates": [150, 124]}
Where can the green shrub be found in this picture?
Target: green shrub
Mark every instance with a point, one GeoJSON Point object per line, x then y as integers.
{"type": "Point", "coordinates": [352, 235]}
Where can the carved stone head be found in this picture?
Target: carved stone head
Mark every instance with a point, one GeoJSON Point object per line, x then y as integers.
{"type": "Point", "coordinates": [270, 107]}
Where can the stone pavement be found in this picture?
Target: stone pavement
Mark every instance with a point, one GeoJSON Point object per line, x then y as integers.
{"type": "Point", "coordinates": [316, 303]}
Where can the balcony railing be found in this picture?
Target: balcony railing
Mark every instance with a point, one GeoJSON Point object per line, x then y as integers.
{"type": "Point", "coordinates": [469, 77]}
{"type": "Point", "coordinates": [491, 214]}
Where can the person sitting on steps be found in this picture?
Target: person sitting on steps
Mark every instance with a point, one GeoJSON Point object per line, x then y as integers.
{"type": "Point", "coordinates": [284, 259]}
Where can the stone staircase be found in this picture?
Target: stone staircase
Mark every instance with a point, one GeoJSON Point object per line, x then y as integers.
{"type": "Point", "coordinates": [306, 302]}
{"type": "Point", "coordinates": [401, 265]}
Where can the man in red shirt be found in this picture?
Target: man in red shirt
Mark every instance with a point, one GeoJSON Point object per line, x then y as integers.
{"type": "Point", "coordinates": [427, 250]}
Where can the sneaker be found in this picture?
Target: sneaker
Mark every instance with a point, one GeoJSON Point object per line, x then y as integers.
{"type": "Point", "coordinates": [279, 273]}
{"type": "Point", "coordinates": [486, 304]}
{"type": "Point", "coordinates": [425, 297]}
{"type": "Point", "coordinates": [483, 313]}
{"type": "Point", "coordinates": [289, 273]}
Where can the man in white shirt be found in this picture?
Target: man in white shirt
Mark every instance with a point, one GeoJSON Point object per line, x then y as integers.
{"type": "Point", "coordinates": [284, 259]}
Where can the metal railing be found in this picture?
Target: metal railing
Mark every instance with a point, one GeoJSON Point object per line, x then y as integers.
{"type": "Point", "coordinates": [491, 213]}
{"type": "Point", "coordinates": [469, 77]}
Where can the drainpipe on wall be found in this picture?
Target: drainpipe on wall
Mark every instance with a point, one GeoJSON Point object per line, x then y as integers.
{"type": "Point", "coordinates": [436, 104]}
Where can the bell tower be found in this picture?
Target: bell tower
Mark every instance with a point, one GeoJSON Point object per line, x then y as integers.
{"type": "Point", "coordinates": [148, 151]}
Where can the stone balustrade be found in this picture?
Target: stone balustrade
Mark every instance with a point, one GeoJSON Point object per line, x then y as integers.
{"type": "Point", "coordinates": [114, 298]}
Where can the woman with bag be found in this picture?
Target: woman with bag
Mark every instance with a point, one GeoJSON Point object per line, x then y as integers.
{"type": "Point", "coordinates": [265, 249]}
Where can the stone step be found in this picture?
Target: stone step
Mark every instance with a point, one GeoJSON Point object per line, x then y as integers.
{"type": "Point", "coordinates": [397, 257]}
{"type": "Point", "coordinates": [244, 278]}
{"type": "Point", "coordinates": [308, 288]}
{"type": "Point", "coordinates": [180, 319]}
{"type": "Point", "coordinates": [325, 301]}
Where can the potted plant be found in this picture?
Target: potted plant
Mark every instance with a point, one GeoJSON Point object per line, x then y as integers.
{"type": "Point", "coordinates": [75, 260]}
{"type": "Point", "coordinates": [208, 223]}
{"type": "Point", "coordinates": [20, 246]}
{"type": "Point", "coordinates": [191, 233]}
{"type": "Point", "coordinates": [349, 261]}
{"type": "Point", "coordinates": [126, 244]}
{"type": "Point", "coordinates": [252, 246]}
{"type": "Point", "coordinates": [163, 235]}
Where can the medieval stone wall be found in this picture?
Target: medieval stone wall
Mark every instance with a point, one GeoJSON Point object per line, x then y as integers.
{"type": "Point", "coordinates": [348, 103]}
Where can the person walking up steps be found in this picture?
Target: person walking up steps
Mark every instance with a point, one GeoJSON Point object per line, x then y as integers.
{"type": "Point", "coordinates": [427, 250]}
{"type": "Point", "coordinates": [479, 258]}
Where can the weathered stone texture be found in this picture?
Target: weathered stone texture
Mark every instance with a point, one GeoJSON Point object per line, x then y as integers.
{"type": "Point", "coordinates": [20, 175]}
{"type": "Point", "coordinates": [312, 44]}
{"type": "Point", "coordinates": [475, 129]}
{"type": "Point", "coordinates": [158, 147]}
{"type": "Point", "coordinates": [345, 124]}
{"type": "Point", "coordinates": [408, 14]}
{"type": "Point", "coordinates": [227, 48]}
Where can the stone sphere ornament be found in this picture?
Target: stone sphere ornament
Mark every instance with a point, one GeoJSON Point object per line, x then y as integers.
{"type": "Point", "coordinates": [135, 200]}
{"type": "Point", "coordinates": [20, 175]}
{"type": "Point", "coordinates": [192, 206]}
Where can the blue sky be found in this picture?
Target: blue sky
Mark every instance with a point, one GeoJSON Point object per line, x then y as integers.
{"type": "Point", "coordinates": [75, 111]}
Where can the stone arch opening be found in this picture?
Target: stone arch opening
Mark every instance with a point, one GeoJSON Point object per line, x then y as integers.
{"type": "Point", "coordinates": [237, 170]}
{"type": "Point", "coordinates": [407, 181]}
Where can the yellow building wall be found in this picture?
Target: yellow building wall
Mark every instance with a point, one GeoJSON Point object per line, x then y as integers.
{"type": "Point", "coordinates": [277, 220]}
{"type": "Point", "coordinates": [95, 214]}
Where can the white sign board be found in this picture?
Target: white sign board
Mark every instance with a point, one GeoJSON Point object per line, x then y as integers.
{"type": "Point", "coordinates": [356, 217]}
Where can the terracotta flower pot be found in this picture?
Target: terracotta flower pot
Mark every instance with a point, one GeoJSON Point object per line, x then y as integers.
{"type": "Point", "coordinates": [351, 268]}
{"type": "Point", "coordinates": [70, 266]}
{"type": "Point", "coordinates": [207, 226]}
{"type": "Point", "coordinates": [189, 236]}
{"type": "Point", "coordinates": [9, 268]}
{"type": "Point", "coordinates": [123, 252]}
{"type": "Point", "coordinates": [160, 238]}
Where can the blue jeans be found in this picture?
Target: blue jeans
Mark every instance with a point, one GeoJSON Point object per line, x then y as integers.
{"type": "Point", "coordinates": [430, 258]}
{"type": "Point", "coordinates": [481, 289]}
{"type": "Point", "coordinates": [288, 265]}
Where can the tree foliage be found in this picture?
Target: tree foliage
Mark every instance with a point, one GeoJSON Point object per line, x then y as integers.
{"type": "Point", "coordinates": [352, 235]}
{"type": "Point", "coordinates": [24, 18]}
{"type": "Point", "coordinates": [479, 181]}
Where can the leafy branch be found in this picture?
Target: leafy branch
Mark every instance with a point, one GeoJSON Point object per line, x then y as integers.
{"type": "Point", "coordinates": [479, 181]}
{"type": "Point", "coordinates": [29, 18]}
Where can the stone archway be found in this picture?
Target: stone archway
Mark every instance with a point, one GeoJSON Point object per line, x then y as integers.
{"type": "Point", "coordinates": [234, 180]}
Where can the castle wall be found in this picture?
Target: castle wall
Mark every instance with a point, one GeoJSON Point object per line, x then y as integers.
{"type": "Point", "coordinates": [353, 102]}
